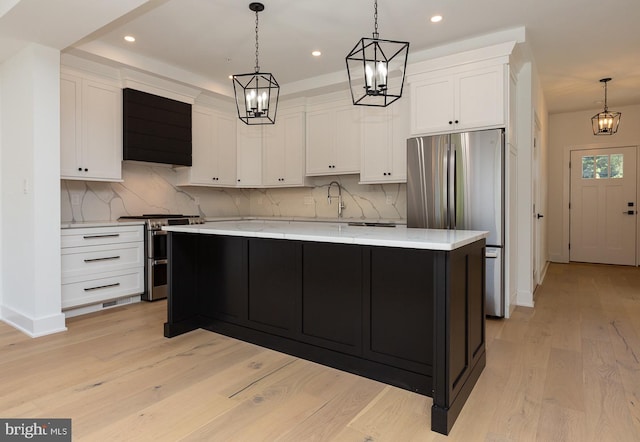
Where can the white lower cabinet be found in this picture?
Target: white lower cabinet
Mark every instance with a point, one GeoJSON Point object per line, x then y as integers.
{"type": "Point", "coordinates": [101, 264]}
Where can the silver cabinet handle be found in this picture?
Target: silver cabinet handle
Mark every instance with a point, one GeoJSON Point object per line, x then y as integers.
{"type": "Point", "coordinates": [112, 235]}
{"type": "Point", "coordinates": [159, 262]}
{"type": "Point", "coordinates": [102, 287]}
{"type": "Point", "coordinates": [102, 259]}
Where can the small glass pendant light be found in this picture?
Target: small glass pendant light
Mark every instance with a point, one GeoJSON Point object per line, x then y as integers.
{"type": "Point", "coordinates": [376, 69]}
{"type": "Point", "coordinates": [605, 122]}
{"type": "Point", "coordinates": [256, 93]}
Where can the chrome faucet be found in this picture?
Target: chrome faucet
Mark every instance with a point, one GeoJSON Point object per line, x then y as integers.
{"type": "Point", "coordinates": [329, 196]}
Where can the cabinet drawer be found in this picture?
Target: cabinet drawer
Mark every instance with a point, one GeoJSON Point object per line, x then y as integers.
{"type": "Point", "coordinates": [101, 235]}
{"type": "Point", "coordinates": [77, 261]}
{"type": "Point", "coordinates": [111, 285]}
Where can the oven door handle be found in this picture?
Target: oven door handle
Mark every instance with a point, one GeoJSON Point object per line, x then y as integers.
{"type": "Point", "coordinates": [157, 262]}
{"type": "Point", "coordinates": [159, 232]}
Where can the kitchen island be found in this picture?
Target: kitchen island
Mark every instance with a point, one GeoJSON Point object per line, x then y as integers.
{"type": "Point", "coordinates": [402, 306]}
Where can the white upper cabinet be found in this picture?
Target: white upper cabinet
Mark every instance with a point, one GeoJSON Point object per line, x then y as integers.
{"type": "Point", "coordinates": [333, 139]}
{"type": "Point", "coordinates": [384, 138]}
{"type": "Point", "coordinates": [249, 155]}
{"type": "Point", "coordinates": [283, 150]}
{"type": "Point", "coordinates": [90, 129]}
{"type": "Point", "coordinates": [213, 149]}
{"type": "Point", "coordinates": [457, 99]}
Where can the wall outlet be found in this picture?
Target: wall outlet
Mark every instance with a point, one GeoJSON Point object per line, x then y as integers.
{"type": "Point", "coordinates": [389, 200]}
{"type": "Point", "coordinates": [308, 200]}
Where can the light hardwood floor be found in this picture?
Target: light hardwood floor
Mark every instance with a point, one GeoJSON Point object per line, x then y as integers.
{"type": "Point", "coordinates": [568, 370]}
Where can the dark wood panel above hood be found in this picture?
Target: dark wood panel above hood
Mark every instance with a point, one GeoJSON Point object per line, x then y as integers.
{"type": "Point", "coordinates": [155, 129]}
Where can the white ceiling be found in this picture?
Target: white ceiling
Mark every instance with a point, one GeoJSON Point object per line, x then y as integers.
{"type": "Point", "coordinates": [574, 42]}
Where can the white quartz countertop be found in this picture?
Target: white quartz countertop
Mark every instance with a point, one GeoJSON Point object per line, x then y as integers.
{"type": "Point", "coordinates": [85, 224]}
{"type": "Point", "coordinates": [399, 236]}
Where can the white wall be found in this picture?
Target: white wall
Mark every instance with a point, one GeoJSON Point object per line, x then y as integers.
{"type": "Point", "coordinates": [30, 191]}
{"type": "Point", "coordinates": [573, 130]}
{"type": "Point", "coordinates": [531, 108]}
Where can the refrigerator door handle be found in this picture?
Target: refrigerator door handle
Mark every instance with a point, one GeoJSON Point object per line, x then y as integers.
{"type": "Point", "coordinates": [423, 183]}
{"type": "Point", "coordinates": [451, 181]}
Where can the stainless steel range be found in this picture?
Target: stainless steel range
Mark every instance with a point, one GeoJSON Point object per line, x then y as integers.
{"type": "Point", "coordinates": [156, 249]}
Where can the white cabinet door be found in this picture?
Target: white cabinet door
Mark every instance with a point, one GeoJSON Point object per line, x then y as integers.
{"type": "Point", "coordinates": [400, 112]}
{"type": "Point", "coordinates": [90, 129]}
{"type": "Point", "coordinates": [333, 140]}
{"type": "Point", "coordinates": [213, 150]}
{"type": "Point", "coordinates": [101, 130]}
{"type": "Point", "coordinates": [348, 121]}
{"type": "Point", "coordinates": [320, 142]}
{"type": "Point", "coordinates": [283, 151]}
{"type": "Point", "coordinates": [249, 155]}
{"type": "Point", "coordinates": [376, 145]}
{"type": "Point", "coordinates": [480, 98]}
{"type": "Point", "coordinates": [432, 105]}
{"type": "Point", "coordinates": [458, 101]}
{"type": "Point", "coordinates": [203, 170]}
{"type": "Point", "coordinates": [225, 147]}
{"type": "Point", "coordinates": [70, 126]}
{"type": "Point", "coordinates": [384, 134]}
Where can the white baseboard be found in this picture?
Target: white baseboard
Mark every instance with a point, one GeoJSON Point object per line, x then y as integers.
{"type": "Point", "coordinates": [34, 327]}
{"type": "Point", "coordinates": [543, 272]}
{"type": "Point", "coordinates": [525, 299]}
{"type": "Point", "coordinates": [100, 306]}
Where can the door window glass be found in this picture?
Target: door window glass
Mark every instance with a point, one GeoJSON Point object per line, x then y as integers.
{"type": "Point", "coordinates": [588, 167]}
{"type": "Point", "coordinates": [616, 165]}
{"type": "Point", "coordinates": [602, 166]}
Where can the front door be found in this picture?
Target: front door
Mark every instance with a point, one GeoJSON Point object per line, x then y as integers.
{"type": "Point", "coordinates": [603, 206]}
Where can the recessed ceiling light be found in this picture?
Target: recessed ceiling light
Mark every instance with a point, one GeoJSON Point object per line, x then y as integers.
{"type": "Point", "coordinates": [316, 53]}
{"type": "Point", "coordinates": [436, 19]}
{"type": "Point", "coordinates": [130, 38]}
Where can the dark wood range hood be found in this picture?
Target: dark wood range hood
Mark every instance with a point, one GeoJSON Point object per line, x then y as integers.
{"type": "Point", "coordinates": [155, 129]}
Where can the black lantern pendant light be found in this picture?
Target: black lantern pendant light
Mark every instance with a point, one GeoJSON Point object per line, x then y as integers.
{"type": "Point", "coordinates": [256, 93]}
{"type": "Point", "coordinates": [605, 122]}
{"type": "Point", "coordinates": [376, 69]}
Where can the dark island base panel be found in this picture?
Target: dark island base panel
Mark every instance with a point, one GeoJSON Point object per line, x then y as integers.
{"type": "Point", "coordinates": [406, 317]}
{"type": "Point", "coordinates": [416, 382]}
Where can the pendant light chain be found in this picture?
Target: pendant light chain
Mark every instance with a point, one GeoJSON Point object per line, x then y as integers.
{"type": "Point", "coordinates": [606, 108]}
{"type": "Point", "coordinates": [257, 64]}
{"type": "Point", "coordinates": [375, 20]}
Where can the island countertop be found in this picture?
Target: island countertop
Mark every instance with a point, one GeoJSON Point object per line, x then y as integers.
{"type": "Point", "coordinates": [339, 232]}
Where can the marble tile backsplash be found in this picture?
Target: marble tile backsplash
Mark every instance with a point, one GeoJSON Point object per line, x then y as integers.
{"type": "Point", "coordinates": [152, 189]}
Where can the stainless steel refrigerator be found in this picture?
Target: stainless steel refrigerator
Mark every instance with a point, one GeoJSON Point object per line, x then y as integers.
{"type": "Point", "coordinates": [456, 181]}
